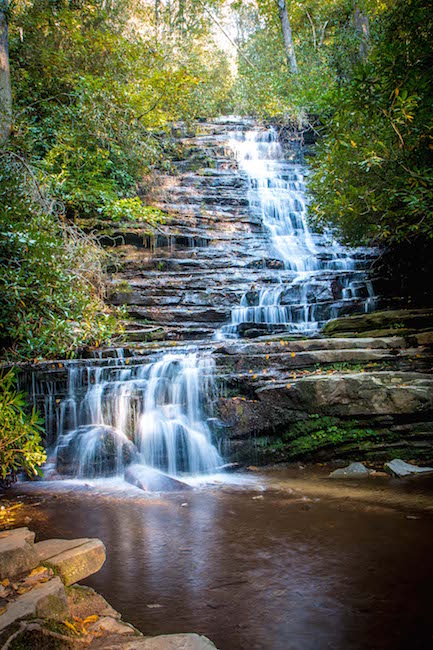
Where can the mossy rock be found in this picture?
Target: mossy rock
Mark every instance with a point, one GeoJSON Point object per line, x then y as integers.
{"type": "Point", "coordinates": [381, 323]}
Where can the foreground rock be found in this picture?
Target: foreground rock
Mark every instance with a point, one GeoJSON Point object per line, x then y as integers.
{"type": "Point", "coordinates": [401, 469]}
{"type": "Point", "coordinates": [47, 600]}
{"type": "Point", "coordinates": [151, 480]}
{"type": "Point", "coordinates": [72, 560]}
{"type": "Point", "coordinates": [33, 601]}
{"type": "Point", "coordinates": [354, 470]}
{"type": "Point", "coordinates": [168, 642]}
{"type": "Point", "coordinates": [17, 552]}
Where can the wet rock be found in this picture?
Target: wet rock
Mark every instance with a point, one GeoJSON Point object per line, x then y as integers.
{"type": "Point", "coordinates": [354, 470]}
{"type": "Point", "coordinates": [47, 600]}
{"type": "Point", "coordinates": [152, 480]}
{"type": "Point", "coordinates": [17, 552]}
{"type": "Point", "coordinates": [110, 450]}
{"type": "Point", "coordinates": [401, 469]}
{"type": "Point", "coordinates": [72, 560]}
{"type": "Point", "coordinates": [409, 319]}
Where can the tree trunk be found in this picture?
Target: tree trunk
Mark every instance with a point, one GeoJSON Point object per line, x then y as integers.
{"type": "Point", "coordinates": [5, 78]}
{"type": "Point", "coordinates": [362, 26]}
{"type": "Point", "coordinates": [287, 35]}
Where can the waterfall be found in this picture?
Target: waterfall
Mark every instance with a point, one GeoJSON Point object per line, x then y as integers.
{"type": "Point", "coordinates": [153, 414]}
{"type": "Point", "coordinates": [317, 278]}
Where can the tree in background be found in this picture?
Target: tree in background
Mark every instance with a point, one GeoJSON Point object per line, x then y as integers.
{"type": "Point", "coordinates": [373, 175]}
{"type": "Point", "coordinates": [287, 36]}
{"type": "Point", "coordinates": [5, 79]}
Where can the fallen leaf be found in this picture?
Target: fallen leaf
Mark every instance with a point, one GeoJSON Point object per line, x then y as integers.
{"type": "Point", "coordinates": [71, 627]}
{"type": "Point", "coordinates": [91, 619]}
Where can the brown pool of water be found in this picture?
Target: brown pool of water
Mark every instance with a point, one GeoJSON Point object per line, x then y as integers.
{"type": "Point", "coordinates": [305, 564]}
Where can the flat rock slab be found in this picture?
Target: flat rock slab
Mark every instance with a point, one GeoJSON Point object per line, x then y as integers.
{"type": "Point", "coordinates": [401, 469]}
{"type": "Point", "coordinates": [72, 560]}
{"type": "Point", "coordinates": [151, 480]}
{"type": "Point", "coordinates": [84, 601]}
{"type": "Point", "coordinates": [51, 547]}
{"type": "Point", "coordinates": [354, 470]}
{"type": "Point", "coordinates": [110, 625]}
{"type": "Point", "coordinates": [17, 552]}
{"type": "Point", "coordinates": [167, 642]}
{"type": "Point", "coordinates": [47, 600]}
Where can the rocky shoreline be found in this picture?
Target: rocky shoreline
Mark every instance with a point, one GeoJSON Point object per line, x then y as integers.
{"type": "Point", "coordinates": [42, 606]}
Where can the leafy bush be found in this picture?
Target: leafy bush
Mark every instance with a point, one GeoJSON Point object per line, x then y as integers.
{"type": "Point", "coordinates": [373, 175]}
{"type": "Point", "coordinates": [132, 209]}
{"type": "Point", "coordinates": [51, 275]}
{"type": "Point", "coordinates": [20, 433]}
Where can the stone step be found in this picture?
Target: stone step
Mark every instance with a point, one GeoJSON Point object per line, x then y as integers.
{"type": "Point", "coordinates": [176, 316]}
{"type": "Point", "coordinates": [72, 560]}
{"type": "Point", "coordinates": [17, 552]}
{"type": "Point", "coordinates": [282, 361]}
{"type": "Point", "coordinates": [46, 600]}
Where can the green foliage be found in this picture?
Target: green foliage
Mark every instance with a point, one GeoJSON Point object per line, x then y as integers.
{"type": "Point", "coordinates": [132, 209]}
{"type": "Point", "coordinates": [51, 276]}
{"type": "Point", "coordinates": [20, 433]}
{"type": "Point", "coordinates": [307, 436]}
{"type": "Point", "coordinates": [96, 89]}
{"type": "Point", "coordinates": [373, 174]}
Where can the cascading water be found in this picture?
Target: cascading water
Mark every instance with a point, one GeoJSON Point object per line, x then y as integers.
{"type": "Point", "coordinates": [151, 414]}
{"type": "Point", "coordinates": [317, 278]}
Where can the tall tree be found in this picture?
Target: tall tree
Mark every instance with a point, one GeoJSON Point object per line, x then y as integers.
{"type": "Point", "coordinates": [287, 36]}
{"type": "Point", "coordinates": [5, 78]}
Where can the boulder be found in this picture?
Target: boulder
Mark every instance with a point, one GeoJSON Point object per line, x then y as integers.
{"type": "Point", "coordinates": [47, 600]}
{"type": "Point", "coordinates": [84, 601]}
{"type": "Point", "coordinates": [72, 560]}
{"type": "Point", "coordinates": [354, 470]}
{"type": "Point", "coordinates": [17, 552]}
{"type": "Point", "coordinates": [94, 450]}
{"type": "Point", "coordinates": [401, 469]}
{"type": "Point", "coordinates": [151, 480]}
{"type": "Point", "coordinates": [167, 642]}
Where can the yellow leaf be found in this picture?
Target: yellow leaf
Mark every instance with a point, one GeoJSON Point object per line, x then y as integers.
{"type": "Point", "coordinates": [254, 376]}
{"type": "Point", "coordinates": [353, 143]}
{"type": "Point", "coordinates": [250, 371]}
{"type": "Point", "coordinates": [2, 610]}
{"type": "Point", "coordinates": [396, 92]}
{"type": "Point", "coordinates": [90, 619]}
{"type": "Point", "coordinates": [293, 354]}
{"type": "Point", "coordinates": [6, 582]}
{"type": "Point", "coordinates": [289, 386]}
{"type": "Point", "coordinates": [71, 627]}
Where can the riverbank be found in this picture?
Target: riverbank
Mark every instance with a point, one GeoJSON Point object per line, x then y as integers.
{"type": "Point", "coordinates": [285, 558]}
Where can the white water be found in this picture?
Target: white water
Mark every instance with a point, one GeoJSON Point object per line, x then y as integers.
{"type": "Point", "coordinates": [318, 278]}
{"type": "Point", "coordinates": [159, 407]}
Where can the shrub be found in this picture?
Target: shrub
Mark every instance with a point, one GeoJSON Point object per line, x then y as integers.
{"type": "Point", "coordinates": [20, 433]}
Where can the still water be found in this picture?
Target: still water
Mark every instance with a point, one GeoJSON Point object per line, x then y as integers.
{"type": "Point", "coordinates": [287, 560]}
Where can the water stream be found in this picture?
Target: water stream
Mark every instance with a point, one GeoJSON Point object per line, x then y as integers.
{"type": "Point", "coordinates": [153, 414]}
{"type": "Point", "coordinates": [315, 277]}
{"type": "Point", "coordinates": [156, 412]}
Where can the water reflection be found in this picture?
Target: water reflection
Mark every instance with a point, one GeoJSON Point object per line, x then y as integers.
{"type": "Point", "coordinates": [274, 572]}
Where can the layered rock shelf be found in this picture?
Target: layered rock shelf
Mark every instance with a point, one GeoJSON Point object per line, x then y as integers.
{"type": "Point", "coordinates": [360, 387]}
